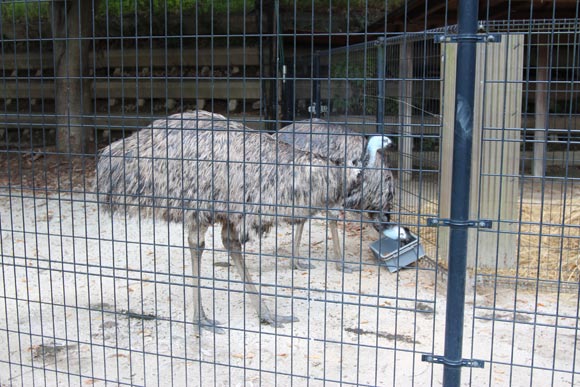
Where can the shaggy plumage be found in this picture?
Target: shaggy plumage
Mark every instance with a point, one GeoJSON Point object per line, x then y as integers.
{"type": "Point", "coordinates": [325, 139]}
{"type": "Point", "coordinates": [375, 189]}
{"type": "Point", "coordinates": [339, 144]}
{"type": "Point", "coordinates": [200, 168]}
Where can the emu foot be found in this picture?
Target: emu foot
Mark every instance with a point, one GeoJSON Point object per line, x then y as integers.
{"type": "Point", "coordinates": [275, 320]}
{"type": "Point", "coordinates": [298, 264]}
{"type": "Point", "coordinates": [346, 268]}
{"type": "Point", "coordinates": [210, 325]}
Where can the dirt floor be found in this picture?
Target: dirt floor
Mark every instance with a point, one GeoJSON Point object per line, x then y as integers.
{"type": "Point", "coordinates": [90, 299]}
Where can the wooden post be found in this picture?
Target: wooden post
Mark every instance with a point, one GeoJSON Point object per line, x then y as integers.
{"type": "Point", "coordinates": [267, 25]}
{"type": "Point", "coordinates": [406, 110]}
{"type": "Point", "coordinates": [541, 109]}
{"type": "Point", "coordinates": [496, 151]}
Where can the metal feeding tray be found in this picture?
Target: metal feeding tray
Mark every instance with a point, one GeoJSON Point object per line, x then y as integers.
{"type": "Point", "coordinates": [391, 254]}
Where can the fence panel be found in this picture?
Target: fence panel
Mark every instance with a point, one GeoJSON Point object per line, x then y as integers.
{"type": "Point", "coordinates": [161, 224]}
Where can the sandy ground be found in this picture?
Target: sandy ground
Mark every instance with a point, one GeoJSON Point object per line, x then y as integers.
{"type": "Point", "coordinates": [87, 299]}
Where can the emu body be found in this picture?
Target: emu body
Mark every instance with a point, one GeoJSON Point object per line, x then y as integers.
{"type": "Point", "coordinates": [200, 169]}
{"type": "Point", "coordinates": [334, 142]}
{"type": "Point", "coordinates": [345, 147]}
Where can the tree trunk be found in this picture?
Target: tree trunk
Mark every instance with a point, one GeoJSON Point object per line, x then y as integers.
{"type": "Point", "coordinates": [70, 22]}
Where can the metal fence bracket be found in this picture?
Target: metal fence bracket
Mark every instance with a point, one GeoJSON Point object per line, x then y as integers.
{"type": "Point", "coordinates": [472, 363]}
{"type": "Point", "coordinates": [482, 223]}
{"type": "Point", "coordinates": [478, 38]}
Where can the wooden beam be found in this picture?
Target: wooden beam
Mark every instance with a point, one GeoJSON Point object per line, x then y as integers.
{"type": "Point", "coordinates": [448, 86]}
{"type": "Point", "coordinates": [496, 151]}
{"type": "Point", "coordinates": [406, 109]}
{"type": "Point", "coordinates": [115, 122]}
{"type": "Point", "coordinates": [496, 158]}
{"type": "Point", "coordinates": [541, 108]}
{"type": "Point", "coordinates": [147, 88]}
{"type": "Point", "coordinates": [133, 59]}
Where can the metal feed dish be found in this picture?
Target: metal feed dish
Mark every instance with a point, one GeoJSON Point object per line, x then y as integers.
{"type": "Point", "coordinates": [390, 254]}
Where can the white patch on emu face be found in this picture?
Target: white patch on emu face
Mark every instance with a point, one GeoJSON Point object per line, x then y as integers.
{"type": "Point", "coordinates": [374, 144]}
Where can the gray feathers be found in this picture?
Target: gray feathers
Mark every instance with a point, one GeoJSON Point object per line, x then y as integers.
{"type": "Point", "coordinates": [201, 167]}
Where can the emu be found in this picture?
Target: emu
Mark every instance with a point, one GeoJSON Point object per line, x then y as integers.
{"type": "Point", "coordinates": [199, 169]}
{"type": "Point", "coordinates": [338, 144]}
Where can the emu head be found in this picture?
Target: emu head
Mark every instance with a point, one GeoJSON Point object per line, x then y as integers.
{"type": "Point", "coordinates": [373, 190]}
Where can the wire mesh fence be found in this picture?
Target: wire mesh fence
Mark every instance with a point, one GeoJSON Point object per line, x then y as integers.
{"type": "Point", "coordinates": [242, 148]}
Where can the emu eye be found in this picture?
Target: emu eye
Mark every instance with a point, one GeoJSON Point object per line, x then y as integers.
{"type": "Point", "coordinates": [356, 163]}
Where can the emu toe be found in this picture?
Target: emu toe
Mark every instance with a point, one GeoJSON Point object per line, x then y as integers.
{"type": "Point", "coordinates": [298, 264]}
{"type": "Point", "coordinates": [275, 320]}
{"type": "Point", "coordinates": [211, 325]}
{"type": "Point", "coordinates": [341, 266]}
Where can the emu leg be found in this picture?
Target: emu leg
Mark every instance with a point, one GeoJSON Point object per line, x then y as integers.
{"type": "Point", "coordinates": [296, 262]}
{"type": "Point", "coordinates": [340, 264]}
{"type": "Point", "coordinates": [196, 245]}
{"type": "Point", "coordinates": [234, 247]}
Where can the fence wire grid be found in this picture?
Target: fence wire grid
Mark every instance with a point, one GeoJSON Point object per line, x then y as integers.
{"type": "Point", "coordinates": [256, 193]}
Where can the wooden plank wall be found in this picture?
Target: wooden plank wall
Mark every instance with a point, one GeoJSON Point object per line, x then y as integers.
{"type": "Point", "coordinates": [116, 85]}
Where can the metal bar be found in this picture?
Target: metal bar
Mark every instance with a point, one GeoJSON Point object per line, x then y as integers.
{"type": "Point", "coordinates": [380, 85]}
{"type": "Point", "coordinates": [353, 47]}
{"type": "Point", "coordinates": [456, 223]}
{"type": "Point", "coordinates": [462, 142]}
{"type": "Point", "coordinates": [316, 85]}
{"type": "Point", "coordinates": [462, 363]}
{"type": "Point", "coordinates": [478, 38]}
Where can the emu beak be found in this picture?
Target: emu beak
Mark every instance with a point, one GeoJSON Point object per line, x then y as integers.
{"type": "Point", "coordinates": [392, 230]}
{"type": "Point", "coordinates": [387, 143]}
